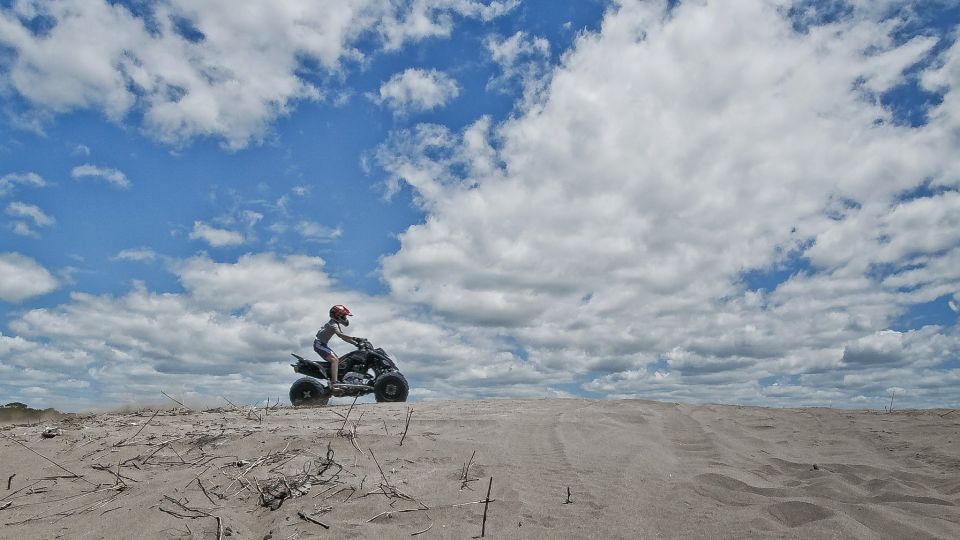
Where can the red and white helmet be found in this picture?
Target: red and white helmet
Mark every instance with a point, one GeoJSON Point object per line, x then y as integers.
{"type": "Point", "coordinates": [339, 313]}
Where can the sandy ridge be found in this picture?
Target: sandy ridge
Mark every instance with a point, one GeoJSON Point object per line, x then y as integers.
{"type": "Point", "coordinates": [635, 469]}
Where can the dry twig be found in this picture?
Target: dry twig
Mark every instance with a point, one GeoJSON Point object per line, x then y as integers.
{"type": "Point", "coordinates": [75, 475]}
{"type": "Point", "coordinates": [423, 531]}
{"type": "Point", "coordinates": [121, 443]}
{"type": "Point", "coordinates": [353, 438]}
{"type": "Point", "coordinates": [200, 513]}
{"type": "Point", "coordinates": [425, 508]}
{"type": "Point", "coordinates": [277, 490]}
{"type": "Point", "coordinates": [176, 401]}
{"type": "Point", "coordinates": [465, 473]}
{"type": "Point", "coordinates": [409, 415]}
{"type": "Point", "coordinates": [312, 520]}
{"type": "Point", "coordinates": [23, 488]}
{"type": "Point", "coordinates": [204, 490]}
{"type": "Point", "coordinates": [339, 431]}
{"type": "Point", "coordinates": [486, 502]}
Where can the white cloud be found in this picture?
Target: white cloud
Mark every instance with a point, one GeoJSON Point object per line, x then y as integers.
{"type": "Point", "coordinates": [23, 229]}
{"type": "Point", "coordinates": [22, 277]}
{"type": "Point", "coordinates": [250, 218]}
{"type": "Point", "coordinates": [608, 226]}
{"type": "Point", "coordinates": [137, 255]}
{"type": "Point", "coordinates": [34, 213]}
{"type": "Point", "coordinates": [214, 236]}
{"type": "Point", "coordinates": [523, 60]}
{"type": "Point", "coordinates": [111, 176]}
{"type": "Point", "coordinates": [80, 150]}
{"type": "Point", "coordinates": [31, 212]}
{"type": "Point", "coordinates": [602, 235]}
{"type": "Point", "coordinates": [204, 68]}
{"type": "Point", "coordinates": [11, 180]}
{"type": "Point", "coordinates": [417, 90]}
{"type": "Point", "coordinates": [431, 18]}
{"type": "Point", "coordinates": [314, 231]}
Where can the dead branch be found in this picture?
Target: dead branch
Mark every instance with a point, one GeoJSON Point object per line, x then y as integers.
{"type": "Point", "coordinates": [204, 490]}
{"type": "Point", "coordinates": [109, 468]}
{"type": "Point", "coordinates": [10, 495]}
{"type": "Point", "coordinates": [353, 439]}
{"type": "Point", "coordinates": [312, 520]}
{"type": "Point", "coordinates": [176, 401]}
{"type": "Point", "coordinates": [409, 416]}
{"type": "Point", "coordinates": [159, 447]}
{"type": "Point", "coordinates": [423, 531]}
{"type": "Point", "coordinates": [75, 475]}
{"type": "Point", "coordinates": [178, 455]}
{"type": "Point", "coordinates": [339, 431]}
{"type": "Point", "coordinates": [382, 475]}
{"type": "Point", "coordinates": [246, 487]}
{"type": "Point", "coordinates": [121, 443]}
{"type": "Point", "coordinates": [198, 476]}
{"type": "Point", "coordinates": [944, 415]}
{"type": "Point", "coordinates": [98, 504]}
{"type": "Point", "coordinates": [278, 489]}
{"type": "Point", "coordinates": [486, 503]}
{"type": "Point", "coordinates": [199, 514]}
{"type": "Point", "coordinates": [187, 508]}
{"type": "Point", "coordinates": [424, 508]}
{"type": "Point", "coordinates": [119, 481]}
{"type": "Point", "coordinates": [465, 473]}
{"type": "Point", "coordinates": [278, 466]}
{"type": "Point", "coordinates": [568, 501]}
{"type": "Point", "coordinates": [9, 480]}
{"type": "Point", "coordinates": [175, 514]}
{"type": "Point", "coordinates": [51, 513]}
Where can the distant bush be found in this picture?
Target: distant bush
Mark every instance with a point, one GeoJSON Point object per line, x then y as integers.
{"type": "Point", "coordinates": [18, 412]}
{"type": "Point", "coordinates": [16, 405]}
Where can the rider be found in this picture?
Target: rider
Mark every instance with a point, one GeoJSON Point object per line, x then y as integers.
{"type": "Point", "coordinates": [338, 316]}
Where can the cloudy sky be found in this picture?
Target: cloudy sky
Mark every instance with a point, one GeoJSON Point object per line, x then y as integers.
{"type": "Point", "coordinates": [752, 202]}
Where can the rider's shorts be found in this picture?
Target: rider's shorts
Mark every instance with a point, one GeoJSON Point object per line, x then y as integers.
{"type": "Point", "coordinates": [322, 349]}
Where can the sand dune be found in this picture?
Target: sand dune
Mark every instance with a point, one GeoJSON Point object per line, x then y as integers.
{"type": "Point", "coordinates": [634, 469]}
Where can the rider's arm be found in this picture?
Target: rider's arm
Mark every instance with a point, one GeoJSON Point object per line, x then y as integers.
{"type": "Point", "coordinates": [348, 339]}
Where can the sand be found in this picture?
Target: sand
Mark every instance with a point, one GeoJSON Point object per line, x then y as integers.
{"type": "Point", "coordinates": [634, 469]}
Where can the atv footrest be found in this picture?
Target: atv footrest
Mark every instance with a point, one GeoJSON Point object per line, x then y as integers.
{"type": "Point", "coordinates": [350, 389]}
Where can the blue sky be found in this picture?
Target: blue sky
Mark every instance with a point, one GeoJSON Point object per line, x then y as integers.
{"type": "Point", "coordinates": [673, 200]}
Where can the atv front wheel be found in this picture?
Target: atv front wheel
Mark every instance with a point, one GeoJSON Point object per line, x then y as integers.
{"type": "Point", "coordinates": [390, 386]}
{"type": "Point", "coordinates": [308, 391]}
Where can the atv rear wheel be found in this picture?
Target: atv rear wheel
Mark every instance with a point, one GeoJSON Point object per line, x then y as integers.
{"type": "Point", "coordinates": [308, 391]}
{"type": "Point", "coordinates": [390, 386]}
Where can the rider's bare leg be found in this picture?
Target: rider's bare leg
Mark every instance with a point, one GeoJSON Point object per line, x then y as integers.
{"type": "Point", "coordinates": [334, 365]}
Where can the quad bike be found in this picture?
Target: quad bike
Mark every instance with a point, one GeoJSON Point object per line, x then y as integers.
{"type": "Point", "coordinates": [362, 371]}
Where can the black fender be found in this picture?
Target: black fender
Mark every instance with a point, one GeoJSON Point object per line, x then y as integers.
{"type": "Point", "coordinates": [311, 368]}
